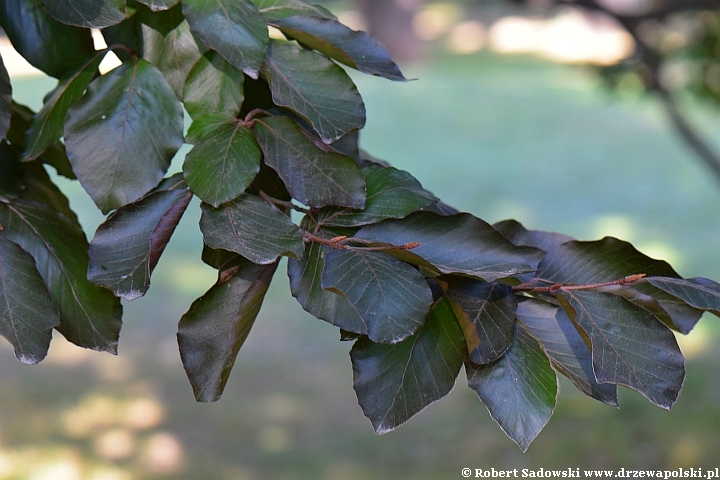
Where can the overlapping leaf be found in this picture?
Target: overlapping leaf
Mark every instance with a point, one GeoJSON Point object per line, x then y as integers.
{"type": "Point", "coordinates": [305, 285]}
{"type": "Point", "coordinates": [89, 315]}
{"type": "Point", "coordinates": [486, 311]}
{"type": "Point", "coordinates": [252, 228]}
{"type": "Point", "coordinates": [234, 28]}
{"type": "Point", "coordinates": [391, 193]}
{"type": "Point", "coordinates": [630, 346]}
{"type": "Point", "coordinates": [320, 30]}
{"type": "Point", "coordinates": [34, 34]}
{"type": "Point", "coordinates": [27, 312]}
{"type": "Point", "coordinates": [564, 346]}
{"type": "Point", "coordinates": [394, 382]}
{"type": "Point", "coordinates": [87, 13]}
{"type": "Point", "coordinates": [390, 296]}
{"type": "Point", "coordinates": [122, 134]}
{"type": "Point", "coordinates": [5, 100]}
{"type": "Point", "coordinates": [213, 86]}
{"type": "Point", "coordinates": [223, 163]}
{"type": "Point", "coordinates": [168, 44]}
{"type": "Point", "coordinates": [313, 175]}
{"type": "Point", "coordinates": [519, 390]}
{"type": "Point", "coordinates": [211, 333]}
{"type": "Point", "coordinates": [126, 248]}
{"type": "Point", "coordinates": [158, 5]}
{"type": "Point", "coordinates": [532, 243]}
{"type": "Point", "coordinates": [611, 259]}
{"type": "Point", "coordinates": [47, 125]}
{"type": "Point", "coordinates": [458, 243]}
{"type": "Point", "coordinates": [698, 292]}
{"type": "Point", "coordinates": [314, 87]}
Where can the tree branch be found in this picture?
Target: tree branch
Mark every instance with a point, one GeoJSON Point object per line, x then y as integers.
{"type": "Point", "coordinates": [529, 287]}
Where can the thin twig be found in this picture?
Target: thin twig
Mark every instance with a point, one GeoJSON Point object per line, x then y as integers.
{"type": "Point", "coordinates": [283, 203]}
{"type": "Point", "coordinates": [556, 287]}
{"type": "Point", "coordinates": [341, 243]}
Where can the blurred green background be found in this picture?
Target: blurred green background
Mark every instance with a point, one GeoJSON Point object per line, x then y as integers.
{"type": "Point", "coordinates": [496, 135]}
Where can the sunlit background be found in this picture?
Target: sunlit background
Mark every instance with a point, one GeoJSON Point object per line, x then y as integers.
{"type": "Point", "coordinates": [505, 120]}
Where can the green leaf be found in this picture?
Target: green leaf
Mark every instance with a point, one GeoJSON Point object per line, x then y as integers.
{"type": "Point", "coordinates": [611, 259]}
{"type": "Point", "coordinates": [87, 13]}
{"type": "Point", "coordinates": [394, 382]}
{"type": "Point", "coordinates": [314, 175]}
{"type": "Point", "coordinates": [211, 333]}
{"type": "Point", "coordinates": [6, 103]}
{"type": "Point", "coordinates": [27, 312]}
{"type": "Point", "coordinates": [458, 243]}
{"type": "Point", "coordinates": [487, 313]}
{"type": "Point", "coordinates": [234, 28]}
{"type": "Point", "coordinates": [205, 125]}
{"type": "Point", "coordinates": [168, 44]}
{"type": "Point", "coordinates": [35, 35]}
{"type": "Point", "coordinates": [325, 34]}
{"type": "Point", "coordinates": [122, 134]}
{"type": "Point", "coordinates": [630, 346]}
{"type": "Point", "coordinates": [47, 125]}
{"type": "Point", "coordinates": [391, 193]}
{"type": "Point", "coordinates": [390, 296]}
{"type": "Point", "coordinates": [126, 248]}
{"type": "Point", "coordinates": [564, 346]}
{"type": "Point", "coordinates": [223, 164]}
{"type": "Point", "coordinates": [39, 187]}
{"type": "Point", "coordinates": [305, 285]}
{"type": "Point", "coordinates": [315, 88]}
{"type": "Point", "coordinates": [697, 292]}
{"type": "Point", "coordinates": [90, 316]}
{"type": "Point", "coordinates": [251, 227]}
{"type": "Point", "coordinates": [213, 86]}
{"type": "Point", "coordinates": [519, 390]}
{"type": "Point", "coordinates": [277, 9]}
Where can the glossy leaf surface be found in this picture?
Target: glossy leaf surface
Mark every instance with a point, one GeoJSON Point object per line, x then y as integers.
{"type": "Point", "coordinates": [223, 163]}
{"type": "Point", "coordinates": [211, 333]}
{"type": "Point", "coordinates": [122, 134]}
{"type": "Point", "coordinates": [390, 296]}
{"type": "Point", "coordinates": [698, 292]}
{"type": "Point", "coordinates": [630, 346]}
{"type": "Point", "coordinates": [126, 248]}
{"type": "Point", "coordinates": [519, 390]}
{"type": "Point", "coordinates": [234, 28]}
{"type": "Point", "coordinates": [89, 315]}
{"type": "Point", "coordinates": [213, 86]}
{"type": "Point", "coordinates": [314, 87]}
{"type": "Point", "coordinates": [564, 346]}
{"type": "Point", "coordinates": [458, 243]}
{"type": "Point", "coordinates": [27, 312]}
{"type": "Point", "coordinates": [313, 175]}
{"type": "Point", "coordinates": [394, 382]}
{"type": "Point", "coordinates": [87, 13]}
{"type": "Point", "coordinates": [252, 228]}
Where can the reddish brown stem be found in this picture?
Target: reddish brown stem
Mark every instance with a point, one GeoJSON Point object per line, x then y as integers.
{"type": "Point", "coordinates": [554, 288]}
{"type": "Point", "coordinates": [340, 243]}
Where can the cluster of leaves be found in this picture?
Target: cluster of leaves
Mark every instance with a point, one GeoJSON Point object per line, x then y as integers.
{"type": "Point", "coordinates": [419, 288]}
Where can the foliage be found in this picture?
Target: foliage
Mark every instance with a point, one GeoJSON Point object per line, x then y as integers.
{"type": "Point", "coordinates": [420, 288]}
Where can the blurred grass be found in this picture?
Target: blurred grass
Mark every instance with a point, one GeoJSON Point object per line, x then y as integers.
{"type": "Point", "coordinates": [499, 137]}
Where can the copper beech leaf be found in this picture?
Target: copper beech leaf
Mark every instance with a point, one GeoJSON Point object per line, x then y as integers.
{"type": "Point", "coordinates": [34, 34]}
{"type": "Point", "coordinates": [252, 228]}
{"type": "Point", "coordinates": [213, 85]}
{"type": "Point", "coordinates": [519, 390]}
{"type": "Point", "coordinates": [630, 346]}
{"type": "Point", "coordinates": [233, 28]}
{"type": "Point", "coordinates": [223, 163]}
{"type": "Point", "coordinates": [564, 346]}
{"type": "Point", "coordinates": [127, 246]}
{"type": "Point", "coordinates": [122, 134]}
{"type": "Point", "coordinates": [6, 103]}
{"type": "Point", "coordinates": [390, 296]}
{"type": "Point", "coordinates": [159, 5]}
{"type": "Point", "coordinates": [486, 311]}
{"type": "Point", "coordinates": [314, 87]}
{"type": "Point", "coordinates": [391, 193]}
{"type": "Point", "coordinates": [460, 243]}
{"type": "Point", "coordinates": [90, 316]}
{"type": "Point", "coordinates": [697, 292]}
{"type": "Point", "coordinates": [87, 13]}
{"type": "Point", "coordinates": [305, 285]}
{"type": "Point", "coordinates": [27, 312]}
{"type": "Point", "coordinates": [394, 382]}
{"type": "Point", "coordinates": [211, 333]}
{"type": "Point", "coordinates": [314, 175]}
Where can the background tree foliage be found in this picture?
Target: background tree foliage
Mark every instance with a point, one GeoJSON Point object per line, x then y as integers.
{"type": "Point", "coordinates": [420, 288]}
